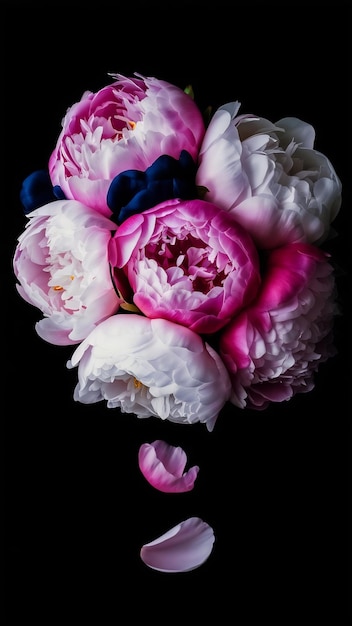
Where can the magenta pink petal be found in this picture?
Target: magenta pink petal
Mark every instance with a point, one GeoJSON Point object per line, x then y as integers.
{"type": "Point", "coordinates": [162, 465]}
{"type": "Point", "coordinates": [183, 548]}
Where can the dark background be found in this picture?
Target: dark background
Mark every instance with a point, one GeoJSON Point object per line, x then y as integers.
{"type": "Point", "coordinates": [274, 485]}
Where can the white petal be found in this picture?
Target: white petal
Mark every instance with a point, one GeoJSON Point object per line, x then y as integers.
{"type": "Point", "coordinates": [181, 549]}
{"type": "Point", "coordinates": [302, 132]}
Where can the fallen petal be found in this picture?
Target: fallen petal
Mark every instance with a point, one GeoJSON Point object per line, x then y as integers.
{"type": "Point", "coordinates": [162, 465]}
{"type": "Point", "coordinates": [183, 548]}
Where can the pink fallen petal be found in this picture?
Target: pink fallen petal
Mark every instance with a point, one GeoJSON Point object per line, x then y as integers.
{"type": "Point", "coordinates": [162, 465]}
{"type": "Point", "coordinates": [183, 548]}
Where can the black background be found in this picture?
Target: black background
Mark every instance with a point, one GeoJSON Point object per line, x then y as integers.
{"type": "Point", "coordinates": [274, 485]}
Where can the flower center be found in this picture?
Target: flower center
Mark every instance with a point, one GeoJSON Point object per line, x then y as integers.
{"type": "Point", "coordinates": [126, 125]}
{"type": "Point", "coordinates": [137, 383]}
{"type": "Point", "coordinates": [195, 258]}
{"type": "Point", "coordinates": [60, 287]}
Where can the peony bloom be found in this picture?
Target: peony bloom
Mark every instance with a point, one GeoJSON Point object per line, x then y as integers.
{"type": "Point", "coordinates": [273, 349]}
{"type": "Point", "coordinates": [151, 368]}
{"type": "Point", "coordinates": [188, 262]}
{"type": "Point", "coordinates": [269, 177]}
{"type": "Point", "coordinates": [163, 467]}
{"type": "Point", "coordinates": [124, 126]}
{"type": "Point", "coordinates": [62, 267]}
{"type": "Point", "coordinates": [183, 548]}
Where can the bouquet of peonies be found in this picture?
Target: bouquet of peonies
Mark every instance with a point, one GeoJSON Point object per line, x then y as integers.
{"type": "Point", "coordinates": [184, 261]}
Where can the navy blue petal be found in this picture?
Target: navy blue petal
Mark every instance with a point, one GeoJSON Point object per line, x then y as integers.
{"type": "Point", "coordinates": [134, 191]}
{"type": "Point", "coordinates": [37, 189]}
{"type": "Point", "coordinates": [186, 163]}
{"type": "Point", "coordinates": [152, 195]}
{"type": "Point", "coordinates": [58, 193]}
{"type": "Point", "coordinates": [123, 188]}
{"type": "Point", "coordinates": [163, 167]}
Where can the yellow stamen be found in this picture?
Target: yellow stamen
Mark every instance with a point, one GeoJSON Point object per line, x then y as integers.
{"type": "Point", "coordinates": [59, 287]}
{"type": "Point", "coordinates": [137, 383]}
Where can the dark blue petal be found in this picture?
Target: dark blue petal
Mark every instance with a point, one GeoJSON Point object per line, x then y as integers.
{"type": "Point", "coordinates": [163, 167]}
{"type": "Point", "coordinates": [186, 163]}
{"type": "Point", "coordinates": [58, 193]}
{"type": "Point", "coordinates": [123, 188]}
{"type": "Point", "coordinates": [134, 191]}
{"type": "Point", "coordinates": [152, 195]}
{"type": "Point", "coordinates": [37, 189]}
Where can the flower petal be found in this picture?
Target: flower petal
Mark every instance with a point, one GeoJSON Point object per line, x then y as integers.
{"type": "Point", "coordinates": [183, 548]}
{"type": "Point", "coordinates": [162, 465]}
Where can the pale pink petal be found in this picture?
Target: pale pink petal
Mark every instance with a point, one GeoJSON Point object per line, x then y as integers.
{"type": "Point", "coordinates": [183, 548]}
{"type": "Point", "coordinates": [162, 465]}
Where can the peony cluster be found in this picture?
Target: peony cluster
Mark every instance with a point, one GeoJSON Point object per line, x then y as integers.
{"type": "Point", "coordinates": [182, 260]}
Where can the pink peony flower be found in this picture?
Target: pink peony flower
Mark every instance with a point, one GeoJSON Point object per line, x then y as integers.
{"type": "Point", "coordinates": [62, 267]}
{"type": "Point", "coordinates": [183, 548]}
{"type": "Point", "coordinates": [163, 467]}
{"type": "Point", "coordinates": [188, 262]}
{"type": "Point", "coordinates": [273, 349]}
{"type": "Point", "coordinates": [269, 177]}
{"type": "Point", "coordinates": [124, 126]}
{"type": "Point", "coordinates": [151, 367]}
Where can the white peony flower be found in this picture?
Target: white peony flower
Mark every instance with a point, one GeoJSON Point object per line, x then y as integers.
{"type": "Point", "coordinates": [269, 177]}
{"type": "Point", "coordinates": [151, 367]}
